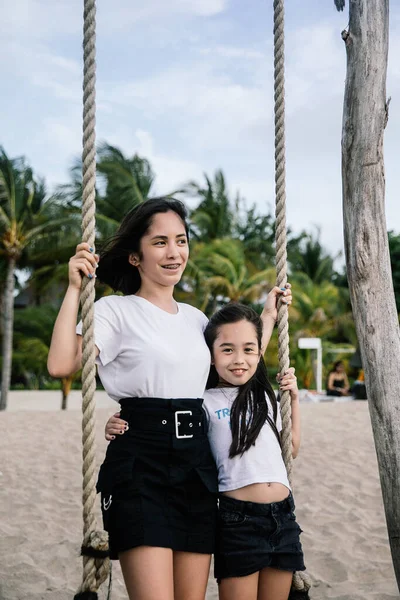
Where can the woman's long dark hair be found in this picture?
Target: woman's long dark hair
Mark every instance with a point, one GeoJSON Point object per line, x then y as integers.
{"type": "Point", "coordinates": [114, 267]}
{"type": "Point", "coordinates": [249, 410]}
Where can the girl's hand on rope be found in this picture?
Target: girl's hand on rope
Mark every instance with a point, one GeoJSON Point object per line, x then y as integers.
{"type": "Point", "coordinates": [115, 426]}
{"type": "Point", "coordinates": [288, 382]}
{"type": "Point", "coordinates": [275, 295]}
{"type": "Point", "coordinates": [83, 263]}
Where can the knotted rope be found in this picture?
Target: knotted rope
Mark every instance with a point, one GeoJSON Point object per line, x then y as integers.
{"type": "Point", "coordinates": [301, 581]}
{"type": "Point", "coordinates": [96, 563]}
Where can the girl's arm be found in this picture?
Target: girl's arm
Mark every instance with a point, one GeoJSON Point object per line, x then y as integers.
{"type": "Point", "coordinates": [115, 426]}
{"type": "Point", "coordinates": [65, 354]}
{"type": "Point", "coordinates": [269, 314]}
{"type": "Point", "coordinates": [289, 382]}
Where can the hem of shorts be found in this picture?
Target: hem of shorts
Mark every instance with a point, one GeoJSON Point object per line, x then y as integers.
{"type": "Point", "coordinates": [256, 570]}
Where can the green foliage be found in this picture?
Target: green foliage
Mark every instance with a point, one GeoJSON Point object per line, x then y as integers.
{"type": "Point", "coordinates": [232, 258]}
{"type": "Point", "coordinates": [394, 249]}
{"type": "Point", "coordinates": [32, 334]}
{"type": "Point", "coordinates": [128, 181]}
{"type": "Point", "coordinates": [308, 256]}
{"type": "Point", "coordinates": [213, 217]}
{"type": "Point", "coordinates": [219, 273]}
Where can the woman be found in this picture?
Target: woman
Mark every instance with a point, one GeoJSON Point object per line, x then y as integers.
{"type": "Point", "coordinates": [338, 384]}
{"type": "Point", "coordinates": [158, 483]}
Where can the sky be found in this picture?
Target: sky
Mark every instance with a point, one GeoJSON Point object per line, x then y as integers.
{"type": "Point", "coordinates": [188, 84]}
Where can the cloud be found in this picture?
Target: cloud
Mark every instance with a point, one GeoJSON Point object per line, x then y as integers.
{"type": "Point", "coordinates": [47, 19]}
{"type": "Point", "coordinates": [38, 66]}
{"type": "Point", "coordinates": [232, 52]}
{"type": "Point", "coordinates": [183, 83]}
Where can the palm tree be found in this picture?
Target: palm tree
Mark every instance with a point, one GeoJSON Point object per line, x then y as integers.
{"type": "Point", "coordinates": [257, 233]}
{"type": "Point", "coordinates": [321, 310]}
{"type": "Point", "coordinates": [213, 218]}
{"type": "Point", "coordinates": [307, 255]}
{"type": "Point", "coordinates": [218, 273]}
{"type": "Point", "coordinates": [128, 181]}
{"type": "Point", "coordinates": [123, 183]}
{"type": "Point", "coordinates": [25, 217]}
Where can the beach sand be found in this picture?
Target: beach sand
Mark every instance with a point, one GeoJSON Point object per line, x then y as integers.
{"type": "Point", "coordinates": [336, 489]}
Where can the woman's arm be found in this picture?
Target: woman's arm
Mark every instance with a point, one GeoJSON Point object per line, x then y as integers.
{"type": "Point", "coordinates": [65, 354]}
{"type": "Point", "coordinates": [269, 314]}
{"type": "Point", "coordinates": [289, 382]}
{"type": "Point", "coordinates": [330, 385]}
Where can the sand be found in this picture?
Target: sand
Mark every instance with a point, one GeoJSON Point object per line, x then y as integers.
{"type": "Point", "coordinates": [337, 493]}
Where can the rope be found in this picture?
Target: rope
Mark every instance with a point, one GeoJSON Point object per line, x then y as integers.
{"type": "Point", "coordinates": [95, 569]}
{"type": "Point", "coordinates": [300, 580]}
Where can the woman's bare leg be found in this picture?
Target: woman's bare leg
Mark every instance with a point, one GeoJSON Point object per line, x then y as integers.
{"type": "Point", "coordinates": [148, 573]}
{"type": "Point", "coordinates": [239, 588]}
{"type": "Point", "coordinates": [274, 584]}
{"type": "Point", "coordinates": [191, 572]}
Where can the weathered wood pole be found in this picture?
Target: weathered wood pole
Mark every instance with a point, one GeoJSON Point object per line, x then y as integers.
{"type": "Point", "coordinates": [365, 116]}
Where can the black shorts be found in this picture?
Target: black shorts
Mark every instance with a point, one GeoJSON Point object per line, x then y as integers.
{"type": "Point", "coordinates": [252, 536]}
{"type": "Point", "coordinates": [158, 482]}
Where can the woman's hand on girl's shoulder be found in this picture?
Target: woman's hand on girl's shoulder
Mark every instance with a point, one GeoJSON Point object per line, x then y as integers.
{"type": "Point", "coordinates": [288, 382]}
{"type": "Point", "coordinates": [83, 263]}
{"type": "Point", "coordinates": [115, 426]}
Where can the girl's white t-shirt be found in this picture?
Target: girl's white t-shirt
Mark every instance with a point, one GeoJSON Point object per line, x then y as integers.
{"type": "Point", "coordinates": [145, 351]}
{"type": "Point", "coordinates": [261, 463]}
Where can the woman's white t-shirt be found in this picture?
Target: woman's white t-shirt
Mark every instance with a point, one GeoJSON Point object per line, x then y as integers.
{"type": "Point", "coordinates": [261, 463]}
{"type": "Point", "coordinates": [145, 351]}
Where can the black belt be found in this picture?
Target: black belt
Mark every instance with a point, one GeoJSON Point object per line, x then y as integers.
{"type": "Point", "coordinates": [180, 423]}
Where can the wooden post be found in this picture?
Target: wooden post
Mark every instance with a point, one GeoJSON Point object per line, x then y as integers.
{"type": "Point", "coordinates": [365, 116]}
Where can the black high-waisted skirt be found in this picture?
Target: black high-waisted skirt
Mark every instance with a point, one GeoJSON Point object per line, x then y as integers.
{"type": "Point", "coordinates": [158, 482]}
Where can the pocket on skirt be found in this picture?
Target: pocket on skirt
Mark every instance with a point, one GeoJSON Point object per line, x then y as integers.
{"type": "Point", "coordinates": [113, 475]}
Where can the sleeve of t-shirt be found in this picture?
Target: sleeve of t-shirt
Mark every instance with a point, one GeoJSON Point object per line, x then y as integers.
{"type": "Point", "coordinates": [107, 331]}
{"type": "Point", "coordinates": [203, 320]}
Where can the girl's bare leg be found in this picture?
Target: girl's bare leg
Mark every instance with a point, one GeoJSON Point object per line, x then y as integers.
{"type": "Point", "coordinates": [274, 584]}
{"type": "Point", "coordinates": [148, 573]}
{"type": "Point", "coordinates": [191, 572]}
{"type": "Point", "coordinates": [239, 588]}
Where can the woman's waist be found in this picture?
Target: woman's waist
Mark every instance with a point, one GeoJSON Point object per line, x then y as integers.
{"type": "Point", "coordinates": [150, 403]}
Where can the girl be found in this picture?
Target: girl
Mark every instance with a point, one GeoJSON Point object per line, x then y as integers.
{"type": "Point", "coordinates": [258, 546]}
{"type": "Point", "coordinates": [158, 482]}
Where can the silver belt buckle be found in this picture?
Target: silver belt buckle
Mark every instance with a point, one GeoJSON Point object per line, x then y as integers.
{"type": "Point", "coordinates": [177, 423]}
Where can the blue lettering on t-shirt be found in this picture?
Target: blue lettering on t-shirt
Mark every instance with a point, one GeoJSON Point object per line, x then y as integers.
{"type": "Point", "coordinates": [223, 413]}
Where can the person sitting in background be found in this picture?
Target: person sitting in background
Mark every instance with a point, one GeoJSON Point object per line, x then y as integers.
{"type": "Point", "coordinates": [338, 384]}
